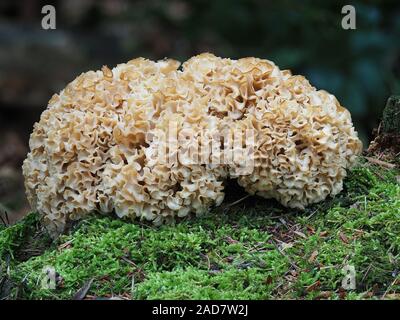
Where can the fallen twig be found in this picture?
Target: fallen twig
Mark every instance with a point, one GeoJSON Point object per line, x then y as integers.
{"type": "Point", "coordinates": [236, 202]}
{"type": "Point", "coordinates": [130, 262]}
{"type": "Point", "coordinates": [81, 294]}
{"type": "Point", "coordinates": [389, 287]}
{"type": "Point", "coordinates": [381, 163]}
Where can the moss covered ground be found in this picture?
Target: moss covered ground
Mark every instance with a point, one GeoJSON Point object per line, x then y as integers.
{"type": "Point", "coordinates": [254, 249]}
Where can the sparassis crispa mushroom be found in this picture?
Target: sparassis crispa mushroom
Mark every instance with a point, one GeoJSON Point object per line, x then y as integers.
{"type": "Point", "coordinates": [96, 146]}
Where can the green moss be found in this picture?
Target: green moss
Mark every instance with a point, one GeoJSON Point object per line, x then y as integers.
{"type": "Point", "coordinates": [111, 252]}
{"type": "Point", "coordinates": [359, 181]}
{"type": "Point", "coordinates": [191, 283]}
{"type": "Point", "coordinates": [11, 238]}
{"type": "Point", "coordinates": [366, 235]}
{"type": "Point", "coordinates": [257, 250]}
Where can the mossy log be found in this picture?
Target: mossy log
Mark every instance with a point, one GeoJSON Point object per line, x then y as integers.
{"type": "Point", "coordinates": [386, 144]}
{"type": "Point", "coordinates": [391, 116]}
{"type": "Point", "coordinates": [255, 249]}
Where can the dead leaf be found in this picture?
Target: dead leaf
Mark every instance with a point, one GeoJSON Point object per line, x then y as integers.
{"type": "Point", "coordinates": [301, 234]}
{"type": "Point", "coordinates": [358, 233]}
{"type": "Point", "coordinates": [323, 234]}
{"type": "Point", "coordinates": [65, 245]}
{"type": "Point", "coordinates": [342, 293]}
{"type": "Point", "coordinates": [268, 280]}
{"type": "Point", "coordinates": [324, 295]}
{"type": "Point", "coordinates": [313, 256]}
{"type": "Point", "coordinates": [367, 295]}
{"type": "Point", "coordinates": [375, 288]}
{"type": "Point", "coordinates": [314, 286]}
{"type": "Point", "coordinates": [311, 230]}
{"type": "Point", "coordinates": [230, 240]}
{"type": "Point", "coordinates": [343, 237]}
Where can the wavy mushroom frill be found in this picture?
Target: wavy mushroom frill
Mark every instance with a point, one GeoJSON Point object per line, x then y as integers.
{"type": "Point", "coordinates": [95, 147]}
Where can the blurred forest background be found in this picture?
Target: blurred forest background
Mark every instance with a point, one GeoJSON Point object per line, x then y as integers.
{"type": "Point", "coordinates": [361, 67]}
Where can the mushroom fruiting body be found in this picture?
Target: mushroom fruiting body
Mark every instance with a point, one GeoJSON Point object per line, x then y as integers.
{"type": "Point", "coordinates": [97, 147]}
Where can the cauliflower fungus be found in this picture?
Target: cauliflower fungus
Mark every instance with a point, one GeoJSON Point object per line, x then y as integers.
{"type": "Point", "coordinates": [99, 147]}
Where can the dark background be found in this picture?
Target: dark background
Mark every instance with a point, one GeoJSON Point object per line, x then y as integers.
{"type": "Point", "coordinates": [361, 67]}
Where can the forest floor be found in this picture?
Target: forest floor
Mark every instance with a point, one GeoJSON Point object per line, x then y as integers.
{"type": "Point", "coordinates": [253, 249]}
